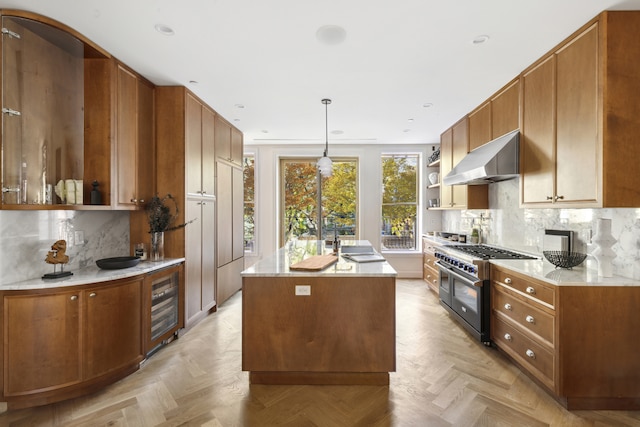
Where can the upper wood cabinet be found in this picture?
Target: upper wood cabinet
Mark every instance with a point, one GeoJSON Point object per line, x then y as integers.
{"type": "Point", "coordinates": [200, 148]}
{"type": "Point", "coordinates": [579, 123]}
{"type": "Point", "coordinates": [454, 145]}
{"type": "Point", "coordinates": [134, 142]}
{"type": "Point", "coordinates": [229, 142]}
{"type": "Point", "coordinates": [496, 117]}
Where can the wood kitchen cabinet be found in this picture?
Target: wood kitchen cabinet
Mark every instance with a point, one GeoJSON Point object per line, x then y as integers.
{"type": "Point", "coordinates": [230, 223]}
{"type": "Point", "coordinates": [42, 342]}
{"type": "Point", "coordinates": [112, 329]}
{"type": "Point", "coordinates": [229, 142]}
{"type": "Point", "coordinates": [579, 124]}
{"type": "Point", "coordinates": [135, 144]}
{"type": "Point", "coordinates": [186, 129]}
{"type": "Point", "coordinates": [497, 116]}
{"type": "Point", "coordinates": [57, 343]}
{"type": "Point", "coordinates": [430, 273]}
{"type": "Point", "coordinates": [577, 341]}
{"type": "Point", "coordinates": [454, 145]}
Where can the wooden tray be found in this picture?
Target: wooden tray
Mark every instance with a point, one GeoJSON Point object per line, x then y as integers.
{"type": "Point", "coordinates": [315, 263]}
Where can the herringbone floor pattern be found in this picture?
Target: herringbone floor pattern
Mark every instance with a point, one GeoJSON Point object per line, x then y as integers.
{"type": "Point", "coordinates": [443, 378]}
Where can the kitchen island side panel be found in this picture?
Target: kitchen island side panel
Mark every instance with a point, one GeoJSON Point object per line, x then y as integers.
{"type": "Point", "coordinates": [345, 325]}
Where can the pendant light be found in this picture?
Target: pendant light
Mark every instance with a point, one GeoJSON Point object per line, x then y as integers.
{"type": "Point", "coordinates": [325, 165]}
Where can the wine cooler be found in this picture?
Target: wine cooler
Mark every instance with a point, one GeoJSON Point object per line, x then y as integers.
{"type": "Point", "coordinates": [164, 308]}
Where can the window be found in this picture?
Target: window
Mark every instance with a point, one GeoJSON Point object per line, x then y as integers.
{"type": "Point", "coordinates": [249, 204]}
{"type": "Point", "coordinates": [399, 201]}
{"type": "Point", "coordinates": [299, 196]}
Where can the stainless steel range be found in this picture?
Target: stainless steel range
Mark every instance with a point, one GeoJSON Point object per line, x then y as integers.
{"type": "Point", "coordinates": [464, 283]}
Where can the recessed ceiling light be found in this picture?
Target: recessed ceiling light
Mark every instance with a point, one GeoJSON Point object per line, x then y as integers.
{"type": "Point", "coordinates": [193, 82]}
{"type": "Point", "coordinates": [337, 132]}
{"type": "Point", "coordinates": [265, 131]}
{"type": "Point", "coordinates": [236, 120]}
{"type": "Point", "coordinates": [240, 106]}
{"type": "Point", "coordinates": [406, 130]}
{"type": "Point", "coordinates": [427, 105]}
{"type": "Point", "coordinates": [410, 120]}
{"type": "Point", "coordinates": [164, 29]}
{"type": "Point", "coordinates": [331, 34]}
{"type": "Point", "coordinates": [480, 39]}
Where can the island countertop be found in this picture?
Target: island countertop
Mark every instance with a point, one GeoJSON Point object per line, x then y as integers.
{"type": "Point", "coordinates": [277, 265]}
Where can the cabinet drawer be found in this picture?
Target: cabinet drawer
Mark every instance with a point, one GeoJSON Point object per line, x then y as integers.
{"type": "Point", "coordinates": [533, 289]}
{"type": "Point", "coordinates": [533, 356]}
{"type": "Point", "coordinates": [429, 259]}
{"type": "Point", "coordinates": [530, 317]}
{"type": "Point", "coordinates": [431, 276]}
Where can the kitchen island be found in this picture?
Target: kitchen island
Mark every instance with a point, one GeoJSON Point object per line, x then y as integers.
{"type": "Point", "coordinates": [333, 326]}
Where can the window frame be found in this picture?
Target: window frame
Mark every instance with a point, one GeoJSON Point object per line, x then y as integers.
{"type": "Point", "coordinates": [281, 188]}
{"type": "Point", "coordinates": [418, 202]}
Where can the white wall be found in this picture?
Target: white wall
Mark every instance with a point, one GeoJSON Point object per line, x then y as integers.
{"type": "Point", "coordinates": [267, 160]}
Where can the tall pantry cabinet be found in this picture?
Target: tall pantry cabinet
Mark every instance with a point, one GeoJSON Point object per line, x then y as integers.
{"type": "Point", "coordinates": [186, 170]}
{"type": "Point", "coordinates": [230, 185]}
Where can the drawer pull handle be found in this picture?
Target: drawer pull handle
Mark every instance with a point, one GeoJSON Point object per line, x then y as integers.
{"type": "Point", "coordinates": [530, 354]}
{"type": "Point", "coordinates": [530, 319]}
{"type": "Point", "coordinates": [530, 290]}
{"type": "Point", "coordinates": [507, 337]}
{"type": "Point", "coordinates": [507, 280]}
{"type": "Point", "coordinates": [507, 306]}
{"type": "Point", "coordinates": [73, 297]}
{"type": "Point", "coordinates": [92, 295]}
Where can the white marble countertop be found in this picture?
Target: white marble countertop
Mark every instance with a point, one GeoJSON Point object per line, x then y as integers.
{"type": "Point", "coordinates": [584, 274]}
{"type": "Point", "coordinates": [541, 269]}
{"type": "Point", "coordinates": [278, 264]}
{"type": "Point", "coordinates": [90, 275]}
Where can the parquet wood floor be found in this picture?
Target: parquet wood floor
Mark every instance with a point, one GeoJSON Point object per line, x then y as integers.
{"type": "Point", "coordinates": [443, 378]}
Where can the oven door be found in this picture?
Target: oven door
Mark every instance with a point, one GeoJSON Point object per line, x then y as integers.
{"type": "Point", "coordinates": [444, 290]}
{"type": "Point", "coordinates": [466, 299]}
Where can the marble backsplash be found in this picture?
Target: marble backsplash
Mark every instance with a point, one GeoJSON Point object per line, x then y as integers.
{"type": "Point", "coordinates": [509, 226]}
{"type": "Point", "coordinates": [27, 236]}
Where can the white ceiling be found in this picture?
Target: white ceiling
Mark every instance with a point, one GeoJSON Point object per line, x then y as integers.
{"type": "Point", "coordinates": [398, 55]}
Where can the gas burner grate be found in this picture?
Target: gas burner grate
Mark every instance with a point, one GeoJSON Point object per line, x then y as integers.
{"type": "Point", "coordinates": [489, 252]}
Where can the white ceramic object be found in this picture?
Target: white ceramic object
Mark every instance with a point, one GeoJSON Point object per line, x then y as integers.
{"type": "Point", "coordinates": [604, 240]}
{"type": "Point", "coordinates": [433, 177]}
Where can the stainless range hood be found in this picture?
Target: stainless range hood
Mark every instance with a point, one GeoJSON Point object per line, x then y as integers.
{"type": "Point", "coordinates": [495, 161]}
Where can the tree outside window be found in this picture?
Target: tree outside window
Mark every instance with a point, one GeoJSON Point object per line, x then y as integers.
{"type": "Point", "coordinates": [249, 204]}
{"type": "Point", "coordinates": [300, 198]}
{"type": "Point", "coordinates": [399, 201]}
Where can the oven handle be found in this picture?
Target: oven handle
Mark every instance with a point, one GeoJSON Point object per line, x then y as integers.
{"type": "Point", "coordinates": [450, 270]}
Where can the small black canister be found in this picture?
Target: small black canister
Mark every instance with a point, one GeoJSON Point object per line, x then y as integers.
{"type": "Point", "coordinates": [96, 197]}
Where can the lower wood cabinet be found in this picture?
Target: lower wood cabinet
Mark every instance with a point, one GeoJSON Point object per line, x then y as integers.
{"type": "Point", "coordinates": [430, 273]}
{"type": "Point", "coordinates": [60, 343]}
{"type": "Point", "coordinates": [578, 341]}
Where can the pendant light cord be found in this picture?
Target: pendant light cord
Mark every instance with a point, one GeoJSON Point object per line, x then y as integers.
{"type": "Point", "coordinates": [326, 102]}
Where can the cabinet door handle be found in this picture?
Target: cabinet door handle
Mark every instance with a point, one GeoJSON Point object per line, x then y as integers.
{"type": "Point", "coordinates": [507, 306]}
{"type": "Point", "coordinates": [507, 280]}
{"type": "Point", "coordinates": [530, 290]}
{"type": "Point", "coordinates": [141, 200]}
{"type": "Point", "coordinates": [507, 337]}
{"type": "Point", "coordinates": [530, 354]}
{"type": "Point", "coordinates": [134, 200]}
{"type": "Point", "coordinates": [559, 198]}
{"type": "Point", "coordinates": [92, 295]}
{"type": "Point", "coordinates": [549, 197]}
{"type": "Point", "coordinates": [530, 319]}
{"type": "Point", "coordinates": [73, 297]}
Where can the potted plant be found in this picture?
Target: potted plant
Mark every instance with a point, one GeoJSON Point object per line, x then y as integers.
{"type": "Point", "coordinates": [161, 219]}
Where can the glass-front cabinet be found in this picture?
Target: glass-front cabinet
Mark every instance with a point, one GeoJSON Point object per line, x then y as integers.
{"type": "Point", "coordinates": [42, 114]}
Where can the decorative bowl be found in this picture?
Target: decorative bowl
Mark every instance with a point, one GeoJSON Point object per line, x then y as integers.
{"type": "Point", "coordinates": [117, 263]}
{"type": "Point", "coordinates": [564, 259]}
